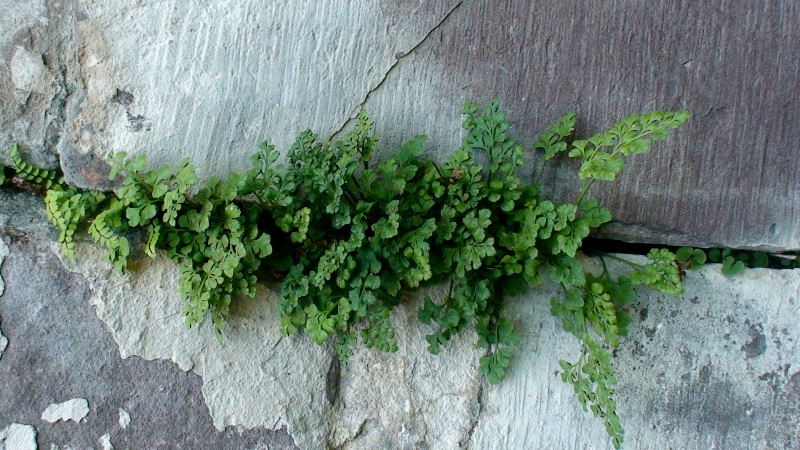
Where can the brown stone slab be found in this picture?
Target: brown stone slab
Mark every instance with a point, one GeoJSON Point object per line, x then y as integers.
{"type": "Point", "coordinates": [730, 177]}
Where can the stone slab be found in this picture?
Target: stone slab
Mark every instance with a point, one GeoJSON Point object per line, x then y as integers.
{"type": "Point", "coordinates": [729, 177]}
{"type": "Point", "coordinates": [174, 79]}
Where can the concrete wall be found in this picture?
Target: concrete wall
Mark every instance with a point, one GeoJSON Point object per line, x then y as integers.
{"type": "Point", "coordinates": [718, 367]}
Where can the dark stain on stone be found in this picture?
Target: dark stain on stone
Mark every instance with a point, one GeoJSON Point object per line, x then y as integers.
{"type": "Point", "coordinates": [122, 97]}
{"type": "Point", "coordinates": [795, 379]}
{"type": "Point", "coordinates": [643, 314]}
{"type": "Point", "coordinates": [758, 342]}
{"type": "Point", "coordinates": [650, 332]}
{"type": "Point", "coordinates": [333, 381]}
{"type": "Point", "coordinates": [772, 379]}
{"type": "Point", "coordinates": [705, 374]}
{"type": "Point", "coordinates": [694, 300]}
{"type": "Point", "coordinates": [138, 123]}
{"type": "Point", "coordinates": [729, 320]}
{"type": "Point", "coordinates": [716, 410]}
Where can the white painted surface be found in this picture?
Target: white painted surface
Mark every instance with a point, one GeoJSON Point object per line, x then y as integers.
{"type": "Point", "coordinates": [18, 436]}
{"type": "Point", "coordinates": [75, 410]}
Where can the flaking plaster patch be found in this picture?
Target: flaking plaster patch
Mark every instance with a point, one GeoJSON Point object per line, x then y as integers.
{"type": "Point", "coordinates": [3, 342]}
{"type": "Point", "coordinates": [3, 254]}
{"type": "Point", "coordinates": [105, 442]}
{"type": "Point", "coordinates": [409, 399]}
{"type": "Point", "coordinates": [256, 377]}
{"type": "Point", "coordinates": [75, 410]}
{"type": "Point", "coordinates": [124, 419]}
{"type": "Point", "coordinates": [18, 436]}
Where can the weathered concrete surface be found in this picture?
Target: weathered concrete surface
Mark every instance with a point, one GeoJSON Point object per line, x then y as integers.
{"type": "Point", "coordinates": [58, 349]}
{"type": "Point", "coordinates": [211, 80]}
{"type": "Point", "coordinates": [256, 377]}
{"type": "Point", "coordinates": [718, 367]}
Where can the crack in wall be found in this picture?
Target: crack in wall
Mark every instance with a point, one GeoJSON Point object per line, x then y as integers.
{"type": "Point", "coordinates": [476, 417]}
{"type": "Point", "coordinates": [398, 57]}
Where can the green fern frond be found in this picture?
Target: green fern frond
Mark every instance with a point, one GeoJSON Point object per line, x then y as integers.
{"type": "Point", "coordinates": [44, 177]}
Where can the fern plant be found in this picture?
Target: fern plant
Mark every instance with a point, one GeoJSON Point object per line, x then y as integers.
{"type": "Point", "coordinates": [348, 237]}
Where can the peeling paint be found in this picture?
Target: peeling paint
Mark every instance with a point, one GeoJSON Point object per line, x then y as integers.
{"type": "Point", "coordinates": [124, 419]}
{"type": "Point", "coordinates": [3, 254]}
{"type": "Point", "coordinates": [253, 378]}
{"type": "Point", "coordinates": [257, 378]}
{"type": "Point", "coordinates": [18, 436]}
{"type": "Point", "coordinates": [105, 442]}
{"type": "Point", "coordinates": [75, 410]}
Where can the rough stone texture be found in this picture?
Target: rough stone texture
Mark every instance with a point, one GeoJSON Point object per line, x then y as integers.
{"type": "Point", "coordinates": [728, 177]}
{"type": "Point", "coordinates": [18, 436]}
{"type": "Point", "coordinates": [713, 367]}
{"type": "Point", "coordinates": [211, 81]}
{"type": "Point", "coordinates": [3, 255]}
{"type": "Point", "coordinates": [75, 410]}
{"type": "Point", "coordinates": [59, 349]}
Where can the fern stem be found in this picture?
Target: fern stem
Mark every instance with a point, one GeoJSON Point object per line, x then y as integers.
{"type": "Point", "coordinates": [622, 260]}
{"type": "Point", "coordinates": [584, 190]}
